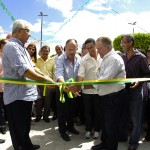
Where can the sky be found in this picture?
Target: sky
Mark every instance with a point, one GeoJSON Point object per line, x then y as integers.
{"type": "Point", "coordinates": [78, 19]}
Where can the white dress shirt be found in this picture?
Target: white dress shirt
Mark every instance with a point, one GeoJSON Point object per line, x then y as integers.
{"type": "Point", "coordinates": [112, 66]}
{"type": "Point", "coordinates": [87, 70]}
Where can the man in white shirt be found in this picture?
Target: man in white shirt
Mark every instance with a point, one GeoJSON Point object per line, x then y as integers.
{"type": "Point", "coordinates": [110, 95]}
{"type": "Point", "coordinates": [112, 66]}
{"type": "Point", "coordinates": [87, 71]}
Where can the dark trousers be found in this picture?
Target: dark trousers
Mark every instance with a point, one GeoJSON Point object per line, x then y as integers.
{"type": "Point", "coordinates": [147, 137]}
{"type": "Point", "coordinates": [55, 97]}
{"type": "Point", "coordinates": [80, 109]}
{"type": "Point", "coordinates": [92, 112]}
{"type": "Point", "coordinates": [111, 105]}
{"type": "Point", "coordinates": [66, 113]}
{"type": "Point", "coordinates": [43, 103]}
{"type": "Point", "coordinates": [133, 114]}
{"type": "Point", "coordinates": [2, 111]}
{"type": "Point", "coordinates": [19, 120]}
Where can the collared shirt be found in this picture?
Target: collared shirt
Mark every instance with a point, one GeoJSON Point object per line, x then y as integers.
{"type": "Point", "coordinates": [136, 66]}
{"type": "Point", "coordinates": [112, 66]}
{"type": "Point", "coordinates": [15, 61]}
{"type": "Point", "coordinates": [46, 67]}
{"type": "Point", "coordinates": [88, 69]}
{"type": "Point", "coordinates": [1, 74]}
{"type": "Point", "coordinates": [65, 69]}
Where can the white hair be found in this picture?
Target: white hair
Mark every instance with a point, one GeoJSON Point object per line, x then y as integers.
{"type": "Point", "coordinates": [20, 24]}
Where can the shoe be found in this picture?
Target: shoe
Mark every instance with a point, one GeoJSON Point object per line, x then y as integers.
{"type": "Point", "coordinates": [37, 119]}
{"type": "Point", "coordinates": [3, 129]}
{"type": "Point", "coordinates": [87, 135]}
{"type": "Point", "coordinates": [145, 140]}
{"type": "Point", "coordinates": [33, 147]}
{"type": "Point", "coordinates": [96, 135]}
{"type": "Point", "coordinates": [100, 146]}
{"type": "Point", "coordinates": [132, 148]}
{"type": "Point", "coordinates": [32, 122]}
{"type": "Point", "coordinates": [46, 120]}
{"type": "Point", "coordinates": [2, 141]}
{"type": "Point", "coordinates": [74, 131]}
{"type": "Point", "coordinates": [65, 137]}
{"type": "Point", "coordinates": [54, 117]}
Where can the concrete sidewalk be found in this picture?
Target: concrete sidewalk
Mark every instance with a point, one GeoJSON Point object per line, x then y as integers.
{"type": "Point", "coordinates": [47, 135]}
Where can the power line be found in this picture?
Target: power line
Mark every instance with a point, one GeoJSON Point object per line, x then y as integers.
{"type": "Point", "coordinates": [105, 5]}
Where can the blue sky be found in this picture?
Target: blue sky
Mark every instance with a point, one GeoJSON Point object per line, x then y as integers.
{"type": "Point", "coordinates": [79, 19]}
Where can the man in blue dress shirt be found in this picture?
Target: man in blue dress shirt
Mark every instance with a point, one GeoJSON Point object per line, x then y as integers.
{"type": "Point", "coordinates": [67, 67]}
{"type": "Point", "coordinates": [18, 98]}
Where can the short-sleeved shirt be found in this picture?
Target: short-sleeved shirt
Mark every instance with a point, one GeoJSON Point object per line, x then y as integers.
{"type": "Point", "coordinates": [15, 61]}
{"type": "Point", "coordinates": [88, 69]}
{"type": "Point", "coordinates": [46, 67]}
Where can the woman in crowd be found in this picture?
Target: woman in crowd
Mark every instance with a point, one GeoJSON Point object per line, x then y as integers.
{"type": "Point", "coordinates": [2, 109]}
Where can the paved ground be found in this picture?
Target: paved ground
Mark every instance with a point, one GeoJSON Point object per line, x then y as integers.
{"type": "Point", "coordinates": [46, 134]}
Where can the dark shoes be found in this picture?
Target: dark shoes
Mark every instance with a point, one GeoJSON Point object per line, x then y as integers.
{"type": "Point", "coordinates": [54, 117]}
{"type": "Point", "coordinates": [132, 148]}
{"type": "Point", "coordinates": [100, 146]}
{"type": "Point", "coordinates": [65, 137]}
{"type": "Point", "coordinates": [34, 147]}
{"type": "Point", "coordinates": [46, 120]}
{"type": "Point", "coordinates": [37, 119]}
{"type": "Point", "coordinates": [73, 131]}
{"type": "Point", "coordinates": [2, 141]}
{"type": "Point", "coordinates": [3, 129]}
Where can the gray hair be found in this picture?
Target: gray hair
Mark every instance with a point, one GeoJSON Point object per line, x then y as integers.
{"type": "Point", "coordinates": [20, 24]}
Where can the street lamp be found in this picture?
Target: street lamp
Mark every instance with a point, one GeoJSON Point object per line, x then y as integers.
{"type": "Point", "coordinates": [134, 23]}
{"type": "Point", "coordinates": [41, 15]}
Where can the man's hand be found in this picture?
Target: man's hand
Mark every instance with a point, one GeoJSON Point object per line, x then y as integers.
{"type": "Point", "coordinates": [75, 88]}
{"type": "Point", "coordinates": [134, 85]}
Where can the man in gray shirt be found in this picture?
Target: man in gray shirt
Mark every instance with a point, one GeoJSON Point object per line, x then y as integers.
{"type": "Point", "coordinates": [18, 98]}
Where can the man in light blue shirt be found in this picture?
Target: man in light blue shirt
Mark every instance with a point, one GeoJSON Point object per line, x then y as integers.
{"type": "Point", "coordinates": [18, 98]}
{"type": "Point", "coordinates": [67, 67]}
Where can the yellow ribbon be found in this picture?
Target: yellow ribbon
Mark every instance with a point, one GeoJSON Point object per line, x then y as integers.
{"type": "Point", "coordinates": [62, 87]}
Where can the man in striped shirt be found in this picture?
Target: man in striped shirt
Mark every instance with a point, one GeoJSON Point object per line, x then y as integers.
{"type": "Point", "coordinates": [136, 66]}
{"type": "Point", "coordinates": [18, 98]}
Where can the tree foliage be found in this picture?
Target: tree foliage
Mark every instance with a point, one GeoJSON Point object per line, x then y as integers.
{"type": "Point", "coordinates": [142, 42]}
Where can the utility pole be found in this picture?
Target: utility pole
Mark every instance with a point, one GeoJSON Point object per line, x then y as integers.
{"type": "Point", "coordinates": [41, 15]}
{"type": "Point", "coordinates": [134, 23]}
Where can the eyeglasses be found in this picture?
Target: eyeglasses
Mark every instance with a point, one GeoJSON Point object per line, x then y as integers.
{"type": "Point", "coordinates": [27, 30]}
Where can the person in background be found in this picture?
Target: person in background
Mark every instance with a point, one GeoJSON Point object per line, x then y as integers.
{"type": "Point", "coordinates": [47, 66]}
{"type": "Point", "coordinates": [18, 98]}
{"type": "Point", "coordinates": [67, 67]}
{"type": "Point", "coordinates": [84, 51]}
{"type": "Point", "coordinates": [31, 48]}
{"type": "Point", "coordinates": [55, 94]}
{"type": "Point", "coordinates": [87, 71]}
{"type": "Point", "coordinates": [2, 109]}
{"type": "Point", "coordinates": [136, 66]}
{"type": "Point", "coordinates": [147, 107]}
{"type": "Point", "coordinates": [59, 50]}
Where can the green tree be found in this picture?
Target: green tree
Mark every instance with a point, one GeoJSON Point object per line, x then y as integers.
{"type": "Point", "coordinates": [142, 42]}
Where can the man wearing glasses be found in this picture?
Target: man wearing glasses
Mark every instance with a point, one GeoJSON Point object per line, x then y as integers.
{"type": "Point", "coordinates": [18, 98]}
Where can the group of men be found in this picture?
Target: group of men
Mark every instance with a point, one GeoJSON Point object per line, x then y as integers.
{"type": "Point", "coordinates": [101, 62]}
